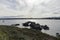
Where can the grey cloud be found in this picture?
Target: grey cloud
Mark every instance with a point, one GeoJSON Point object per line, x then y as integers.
{"type": "Point", "coordinates": [34, 7]}
{"type": "Point", "coordinates": [9, 3]}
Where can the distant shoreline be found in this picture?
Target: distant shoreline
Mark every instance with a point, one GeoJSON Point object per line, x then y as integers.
{"type": "Point", "coordinates": [28, 18]}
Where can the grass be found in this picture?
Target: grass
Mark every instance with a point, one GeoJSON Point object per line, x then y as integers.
{"type": "Point", "coordinates": [15, 33]}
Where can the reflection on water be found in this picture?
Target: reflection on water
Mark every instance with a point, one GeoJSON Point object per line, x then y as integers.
{"type": "Point", "coordinates": [54, 25]}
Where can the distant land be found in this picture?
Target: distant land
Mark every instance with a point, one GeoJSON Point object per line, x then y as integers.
{"type": "Point", "coordinates": [25, 18]}
{"type": "Point", "coordinates": [52, 18]}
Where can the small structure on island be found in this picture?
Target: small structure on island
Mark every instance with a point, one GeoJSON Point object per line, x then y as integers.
{"type": "Point", "coordinates": [57, 35]}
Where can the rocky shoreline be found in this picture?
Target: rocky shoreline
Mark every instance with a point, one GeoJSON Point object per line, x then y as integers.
{"type": "Point", "coordinates": [15, 33]}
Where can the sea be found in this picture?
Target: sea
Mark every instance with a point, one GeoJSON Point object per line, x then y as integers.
{"type": "Point", "coordinates": [54, 25]}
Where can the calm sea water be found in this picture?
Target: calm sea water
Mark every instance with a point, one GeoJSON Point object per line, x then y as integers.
{"type": "Point", "coordinates": [54, 25]}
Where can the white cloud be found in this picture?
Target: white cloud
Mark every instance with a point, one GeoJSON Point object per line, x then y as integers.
{"type": "Point", "coordinates": [31, 8]}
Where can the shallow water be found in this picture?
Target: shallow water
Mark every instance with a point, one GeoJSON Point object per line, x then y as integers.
{"type": "Point", "coordinates": [54, 25]}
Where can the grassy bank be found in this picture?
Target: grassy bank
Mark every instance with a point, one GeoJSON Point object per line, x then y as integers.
{"type": "Point", "coordinates": [15, 33]}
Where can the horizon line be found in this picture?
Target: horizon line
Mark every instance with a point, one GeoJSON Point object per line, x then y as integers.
{"type": "Point", "coordinates": [26, 18]}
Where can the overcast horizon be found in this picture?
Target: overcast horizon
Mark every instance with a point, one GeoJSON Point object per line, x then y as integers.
{"type": "Point", "coordinates": [30, 8]}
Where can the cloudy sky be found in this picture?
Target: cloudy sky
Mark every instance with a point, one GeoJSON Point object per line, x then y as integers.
{"type": "Point", "coordinates": [30, 8]}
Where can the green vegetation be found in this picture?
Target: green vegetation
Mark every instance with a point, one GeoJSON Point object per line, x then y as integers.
{"type": "Point", "coordinates": [15, 33]}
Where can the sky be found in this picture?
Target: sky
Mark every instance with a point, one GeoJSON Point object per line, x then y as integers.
{"type": "Point", "coordinates": [30, 8]}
